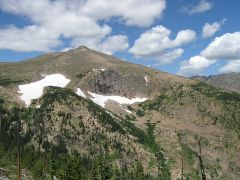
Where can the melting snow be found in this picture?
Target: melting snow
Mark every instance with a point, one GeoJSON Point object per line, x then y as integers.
{"type": "Point", "coordinates": [146, 79]}
{"type": "Point", "coordinates": [101, 99]}
{"type": "Point", "coordinates": [130, 112]}
{"type": "Point", "coordinates": [80, 92]}
{"type": "Point", "coordinates": [34, 90]}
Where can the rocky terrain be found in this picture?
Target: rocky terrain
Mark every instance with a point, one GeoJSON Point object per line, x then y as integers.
{"type": "Point", "coordinates": [114, 120]}
{"type": "Point", "coordinates": [230, 81]}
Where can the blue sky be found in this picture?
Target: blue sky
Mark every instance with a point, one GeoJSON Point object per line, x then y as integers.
{"type": "Point", "coordinates": [185, 37]}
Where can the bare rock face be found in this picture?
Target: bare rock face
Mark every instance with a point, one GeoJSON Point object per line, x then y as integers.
{"type": "Point", "coordinates": [114, 82]}
{"type": "Point", "coordinates": [108, 82]}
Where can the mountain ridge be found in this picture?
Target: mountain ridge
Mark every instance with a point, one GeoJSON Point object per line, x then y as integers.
{"type": "Point", "coordinates": [152, 139]}
{"type": "Point", "coordinates": [227, 81]}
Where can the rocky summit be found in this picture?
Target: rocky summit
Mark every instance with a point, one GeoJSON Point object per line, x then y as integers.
{"type": "Point", "coordinates": [82, 114]}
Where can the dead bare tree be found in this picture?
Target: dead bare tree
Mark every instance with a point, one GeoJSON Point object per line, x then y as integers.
{"type": "Point", "coordinates": [201, 161]}
{"type": "Point", "coordinates": [182, 170]}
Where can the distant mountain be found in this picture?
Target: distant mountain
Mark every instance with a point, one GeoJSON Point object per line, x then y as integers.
{"type": "Point", "coordinates": [83, 114]}
{"type": "Point", "coordinates": [229, 81]}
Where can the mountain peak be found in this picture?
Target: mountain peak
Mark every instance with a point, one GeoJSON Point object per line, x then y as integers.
{"type": "Point", "coordinates": [82, 48]}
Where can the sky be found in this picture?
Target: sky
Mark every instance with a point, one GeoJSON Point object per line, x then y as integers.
{"type": "Point", "coordinates": [184, 37]}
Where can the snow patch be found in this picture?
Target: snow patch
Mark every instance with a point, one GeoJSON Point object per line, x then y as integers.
{"type": "Point", "coordinates": [34, 90]}
{"type": "Point", "coordinates": [80, 93]}
{"type": "Point", "coordinates": [130, 112]}
{"type": "Point", "coordinates": [102, 70]}
{"type": "Point", "coordinates": [101, 99]}
{"type": "Point", "coordinates": [146, 79]}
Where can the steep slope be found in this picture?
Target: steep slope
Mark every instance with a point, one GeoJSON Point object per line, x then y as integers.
{"type": "Point", "coordinates": [184, 117]}
{"type": "Point", "coordinates": [72, 132]}
{"type": "Point", "coordinates": [158, 135]}
{"type": "Point", "coordinates": [230, 82]}
{"type": "Point", "coordinates": [91, 71]}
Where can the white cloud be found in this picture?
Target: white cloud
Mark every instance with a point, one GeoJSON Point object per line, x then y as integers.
{"type": "Point", "coordinates": [77, 20]}
{"type": "Point", "coordinates": [184, 37]}
{"type": "Point", "coordinates": [156, 44]}
{"type": "Point", "coordinates": [231, 66]}
{"type": "Point", "coordinates": [209, 30]}
{"type": "Point", "coordinates": [29, 38]}
{"type": "Point", "coordinates": [201, 7]}
{"type": "Point", "coordinates": [114, 43]}
{"type": "Point", "coordinates": [169, 57]}
{"type": "Point", "coordinates": [129, 11]}
{"type": "Point", "coordinates": [195, 65]}
{"type": "Point", "coordinates": [109, 45]}
{"type": "Point", "coordinates": [226, 46]}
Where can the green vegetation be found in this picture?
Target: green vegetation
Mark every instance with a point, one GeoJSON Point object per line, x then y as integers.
{"type": "Point", "coordinates": [7, 82]}
{"type": "Point", "coordinates": [199, 95]}
{"type": "Point", "coordinates": [130, 118]}
{"type": "Point", "coordinates": [217, 93]}
{"type": "Point", "coordinates": [80, 75]}
{"type": "Point", "coordinates": [148, 140]}
{"type": "Point", "coordinates": [157, 104]}
{"type": "Point", "coordinates": [188, 153]}
{"type": "Point", "coordinates": [230, 101]}
{"type": "Point", "coordinates": [59, 94]}
{"type": "Point", "coordinates": [45, 159]}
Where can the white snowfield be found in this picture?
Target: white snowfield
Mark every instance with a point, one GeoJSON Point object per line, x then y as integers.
{"type": "Point", "coordinates": [101, 99]}
{"type": "Point", "coordinates": [34, 90]}
{"type": "Point", "coordinates": [80, 93]}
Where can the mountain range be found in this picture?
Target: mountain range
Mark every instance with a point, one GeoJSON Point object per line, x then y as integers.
{"type": "Point", "coordinates": [82, 114]}
{"type": "Point", "coordinates": [230, 81]}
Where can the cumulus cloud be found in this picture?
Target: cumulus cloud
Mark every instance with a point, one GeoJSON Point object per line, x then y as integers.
{"type": "Point", "coordinates": [129, 11]}
{"type": "Point", "coordinates": [157, 44]}
{"type": "Point", "coordinates": [77, 20]}
{"type": "Point", "coordinates": [226, 46]}
{"type": "Point", "coordinates": [29, 38]}
{"type": "Point", "coordinates": [231, 66]}
{"type": "Point", "coordinates": [209, 30]}
{"type": "Point", "coordinates": [201, 7]}
{"type": "Point", "coordinates": [109, 45]}
{"type": "Point", "coordinates": [169, 57]}
{"type": "Point", "coordinates": [195, 65]}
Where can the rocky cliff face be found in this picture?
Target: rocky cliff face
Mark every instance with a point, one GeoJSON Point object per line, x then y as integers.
{"type": "Point", "coordinates": [115, 82]}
